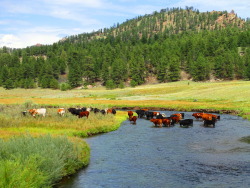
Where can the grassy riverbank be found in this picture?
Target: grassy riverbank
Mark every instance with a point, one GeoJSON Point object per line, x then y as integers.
{"type": "Point", "coordinates": [43, 150]}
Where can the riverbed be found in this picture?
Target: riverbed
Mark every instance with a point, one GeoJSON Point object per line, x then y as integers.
{"type": "Point", "coordinates": [142, 156]}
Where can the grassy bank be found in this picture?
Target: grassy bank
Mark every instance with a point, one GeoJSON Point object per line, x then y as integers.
{"type": "Point", "coordinates": [43, 150]}
{"type": "Point", "coordinates": [27, 161]}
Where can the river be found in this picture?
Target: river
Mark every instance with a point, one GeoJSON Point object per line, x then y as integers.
{"type": "Point", "coordinates": [141, 156]}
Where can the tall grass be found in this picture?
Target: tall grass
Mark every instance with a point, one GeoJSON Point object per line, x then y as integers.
{"type": "Point", "coordinates": [28, 161]}
{"type": "Point", "coordinates": [47, 158]}
{"type": "Point", "coordinates": [11, 119]}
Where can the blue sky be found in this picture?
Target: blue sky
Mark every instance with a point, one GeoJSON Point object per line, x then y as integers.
{"type": "Point", "coordinates": [28, 22]}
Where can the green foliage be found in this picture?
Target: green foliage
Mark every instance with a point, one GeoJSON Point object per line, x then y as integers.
{"type": "Point", "coordinates": [65, 87]}
{"type": "Point", "coordinates": [110, 84]}
{"type": "Point", "coordinates": [133, 83]}
{"type": "Point", "coordinates": [38, 162]}
{"type": "Point", "coordinates": [121, 85]}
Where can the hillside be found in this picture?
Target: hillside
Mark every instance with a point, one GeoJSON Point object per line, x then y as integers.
{"type": "Point", "coordinates": [163, 45]}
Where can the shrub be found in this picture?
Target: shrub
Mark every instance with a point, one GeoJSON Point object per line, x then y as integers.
{"type": "Point", "coordinates": [65, 87]}
{"type": "Point", "coordinates": [49, 158]}
{"type": "Point", "coordinates": [133, 83]}
{"type": "Point", "coordinates": [110, 84]}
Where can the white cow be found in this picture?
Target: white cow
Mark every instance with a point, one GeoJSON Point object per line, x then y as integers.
{"type": "Point", "coordinates": [61, 111]}
{"type": "Point", "coordinates": [39, 111]}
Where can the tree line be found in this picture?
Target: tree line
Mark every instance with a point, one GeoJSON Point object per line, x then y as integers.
{"type": "Point", "coordinates": [205, 45]}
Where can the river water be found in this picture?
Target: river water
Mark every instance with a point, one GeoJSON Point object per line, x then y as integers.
{"type": "Point", "coordinates": [142, 156]}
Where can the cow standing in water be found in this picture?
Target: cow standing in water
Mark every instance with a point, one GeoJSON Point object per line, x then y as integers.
{"type": "Point", "coordinates": [133, 119]}
{"type": "Point", "coordinates": [39, 111]}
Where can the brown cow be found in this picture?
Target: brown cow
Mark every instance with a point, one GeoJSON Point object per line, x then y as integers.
{"type": "Point", "coordinates": [157, 122]}
{"type": "Point", "coordinates": [175, 119]}
{"type": "Point", "coordinates": [110, 111]}
{"type": "Point", "coordinates": [130, 113]}
{"type": "Point", "coordinates": [181, 115]}
{"type": "Point", "coordinates": [133, 119]}
{"type": "Point", "coordinates": [166, 122]}
{"type": "Point", "coordinates": [209, 116]}
{"type": "Point", "coordinates": [83, 113]}
{"type": "Point", "coordinates": [215, 116]}
{"type": "Point", "coordinates": [197, 115]}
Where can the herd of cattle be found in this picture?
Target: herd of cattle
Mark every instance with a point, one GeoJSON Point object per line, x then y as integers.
{"type": "Point", "coordinates": [160, 119]}
{"type": "Point", "coordinates": [80, 112]}
{"type": "Point", "coordinates": [157, 118]}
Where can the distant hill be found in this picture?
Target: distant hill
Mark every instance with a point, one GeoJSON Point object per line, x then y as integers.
{"type": "Point", "coordinates": [167, 21]}
{"type": "Point", "coordinates": [162, 46]}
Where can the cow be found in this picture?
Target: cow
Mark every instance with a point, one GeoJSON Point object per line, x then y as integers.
{"type": "Point", "coordinates": [39, 111]}
{"type": "Point", "coordinates": [181, 115]}
{"type": "Point", "coordinates": [161, 116]}
{"type": "Point", "coordinates": [83, 113]}
{"type": "Point", "coordinates": [209, 116]}
{"type": "Point", "coordinates": [110, 111]}
{"type": "Point", "coordinates": [133, 119]}
{"type": "Point", "coordinates": [61, 111]}
{"type": "Point", "coordinates": [210, 122]}
{"type": "Point", "coordinates": [130, 114]}
{"type": "Point", "coordinates": [149, 115]}
{"type": "Point", "coordinates": [96, 110]}
{"type": "Point", "coordinates": [166, 122]}
{"type": "Point", "coordinates": [24, 113]}
{"type": "Point", "coordinates": [157, 122]}
{"type": "Point", "coordinates": [75, 111]}
{"type": "Point", "coordinates": [214, 116]}
{"type": "Point", "coordinates": [186, 122]}
{"type": "Point", "coordinates": [140, 113]}
{"type": "Point", "coordinates": [103, 111]}
{"type": "Point", "coordinates": [197, 115]}
{"type": "Point", "coordinates": [175, 119]}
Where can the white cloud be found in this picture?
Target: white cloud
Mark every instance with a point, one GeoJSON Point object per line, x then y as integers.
{"type": "Point", "coordinates": [24, 40]}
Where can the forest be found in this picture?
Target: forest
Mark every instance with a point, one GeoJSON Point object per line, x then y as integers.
{"type": "Point", "coordinates": [205, 45]}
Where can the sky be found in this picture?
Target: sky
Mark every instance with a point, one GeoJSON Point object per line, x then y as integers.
{"type": "Point", "coordinates": [29, 22]}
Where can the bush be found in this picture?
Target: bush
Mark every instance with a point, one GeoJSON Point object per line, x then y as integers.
{"type": "Point", "coordinates": [121, 85]}
{"type": "Point", "coordinates": [110, 84]}
{"type": "Point", "coordinates": [49, 158]}
{"type": "Point", "coordinates": [133, 83]}
{"type": "Point", "coordinates": [65, 87]}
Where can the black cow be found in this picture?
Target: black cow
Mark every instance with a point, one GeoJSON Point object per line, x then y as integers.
{"type": "Point", "coordinates": [210, 122]}
{"type": "Point", "coordinates": [24, 113]}
{"type": "Point", "coordinates": [76, 111]}
{"type": "Point", "coordinates": [103, 112]}
{"type": "Point", "coordinates": [149, 115]}
{"type": "Point", "coordinates": [140, 113]}
{"type": "Point", "coordinates": [186, 122]}
{"type": "Point", "coordinates": [96, 110]}
{"type": "Point", "coordinates": [113, 111]}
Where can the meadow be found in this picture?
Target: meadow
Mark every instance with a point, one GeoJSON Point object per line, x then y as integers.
{"type": "Point", "coordinates": [21, 135]}
{"type": "Point", "coordinates": [183, 95]}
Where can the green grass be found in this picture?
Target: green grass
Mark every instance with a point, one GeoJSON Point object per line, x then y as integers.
{"type": "Point", "coordinates": [27, 161]}
{"type": "Point", "coordinates": [47, 147]}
